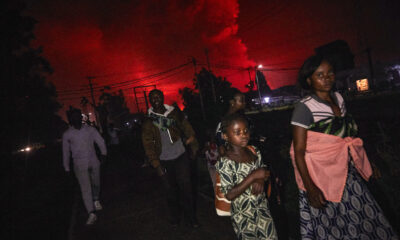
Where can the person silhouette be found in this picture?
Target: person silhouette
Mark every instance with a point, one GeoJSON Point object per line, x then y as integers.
{"type": "Point", "coordinates": [78, 142]}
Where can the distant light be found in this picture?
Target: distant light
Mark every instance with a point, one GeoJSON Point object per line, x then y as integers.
{"type": "Point", "coordinates": [266, 99]}
{"type": "Point", "coordinates": [260, 66]}
{"type": "Point", "coordinates": [90, 113]}
{"type": "Point", "coordinates": [362, 84]}
{"type": "Point", "coordinates": [32, 147]}
{"type": "Point", "coordinates": [397, 67]}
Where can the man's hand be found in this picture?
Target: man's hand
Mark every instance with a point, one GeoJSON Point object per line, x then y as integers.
{"type": "Point", "coordinates": [162, 173]}
{"type": "Point", "coordinates": [257, 187]}
{"type": "Point", "coordinates": [189, 140]}
{"type": "Point", "coordinates": [160, 170]}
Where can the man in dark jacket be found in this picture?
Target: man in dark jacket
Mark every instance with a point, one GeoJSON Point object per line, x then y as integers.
{"type": "Point", "coordinates": [165, 133]}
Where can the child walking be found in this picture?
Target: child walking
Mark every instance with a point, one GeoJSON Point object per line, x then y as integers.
{"type": "Point", "coordinates": [242, 175]}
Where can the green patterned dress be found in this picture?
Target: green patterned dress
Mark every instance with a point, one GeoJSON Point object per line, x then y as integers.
{"type": "Point", "coordinates": [251, 218]}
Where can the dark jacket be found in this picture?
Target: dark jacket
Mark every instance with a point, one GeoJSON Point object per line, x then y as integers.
{"type": "Point", "coordinates": [151, 134]}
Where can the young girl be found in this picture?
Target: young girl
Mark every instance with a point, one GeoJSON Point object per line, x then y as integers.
{"type": "Point", "coordinates": [242, 181]}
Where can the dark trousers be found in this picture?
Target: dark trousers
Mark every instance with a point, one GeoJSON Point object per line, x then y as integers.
{"type": "Point", "coordinates": [177, 182]}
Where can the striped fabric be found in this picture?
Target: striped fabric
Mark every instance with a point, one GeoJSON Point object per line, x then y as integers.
{"type": "Point", "coordinates": [318, 109]}
{"type": "Point", "coordinates": [322, 111]}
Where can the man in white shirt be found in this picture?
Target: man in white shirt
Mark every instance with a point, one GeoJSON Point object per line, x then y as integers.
{"type": "Point", "coordinates": [79, 141]}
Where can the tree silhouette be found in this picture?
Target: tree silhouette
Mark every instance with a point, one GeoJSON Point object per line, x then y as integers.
{"type": "Point", "coordinates": [28, 98]}
{"type": "Point", "coordinates": [213, 110]}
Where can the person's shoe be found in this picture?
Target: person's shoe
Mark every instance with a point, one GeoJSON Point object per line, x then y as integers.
{"type": "Point", "coordinates": [91, 219]}
{"type": "Point", "coordinates": [97, 205]}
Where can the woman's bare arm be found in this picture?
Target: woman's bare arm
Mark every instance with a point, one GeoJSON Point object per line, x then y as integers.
{"type": "Point", "coordinates": [314, 194]}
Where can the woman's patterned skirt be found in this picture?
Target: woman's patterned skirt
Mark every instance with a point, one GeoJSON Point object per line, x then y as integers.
{"type": "Point", "coordinates": [357, 216]}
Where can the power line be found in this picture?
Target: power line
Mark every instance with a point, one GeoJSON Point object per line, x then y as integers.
{"type": "Point", "coordinates": [119, 74]}
{"type": "Point", "coordinates": [129, 84]}
{"type": "Point", "coordinates": [284, 63]}
{"type": "Point", "coordinates": [278, 69]}
{"type": "Point", "coordinates": [126, 82]}
{"type": "Point", "coordinates": [153, 75]}
{"type": "Point", "coordinates": [124, 87]}
{"type": "Point", "coordinates": [239, 68]}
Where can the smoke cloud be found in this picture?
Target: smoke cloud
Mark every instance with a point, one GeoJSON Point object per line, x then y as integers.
{"type": "Point", "coordinates": [123, 40]}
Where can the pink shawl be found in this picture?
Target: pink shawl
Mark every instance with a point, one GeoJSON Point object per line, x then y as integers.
{"type": "Point", "coordinates": [327, 158]}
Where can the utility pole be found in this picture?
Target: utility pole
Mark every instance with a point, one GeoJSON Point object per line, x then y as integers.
{"type": "Point", "coordinates": [145, 99]}
{"type": "Point", "coordinates": [136, 92]}
{"type": "Point", "coordinates": [248, 70]}
{"type": "Point", "coordinates": [137, 103]}
{"type": "Point", "coordinates": [198, 84]}
{"type": "Point", "coordinates": [91, 90]}
{"type": "Point", "coordinates": [94, 103]}
{"type": "Point", "coordinates": [258, 87]}
{"type": "Point", "coordinates": [211, 78]}
{"type": "Point", "coordinates": [251, 84]}
{"type": "Point", "coordinates": [371, 67]}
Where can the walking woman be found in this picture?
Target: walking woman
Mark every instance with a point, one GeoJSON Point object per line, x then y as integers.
{"type": "Point", "coordinates": [331, 164]}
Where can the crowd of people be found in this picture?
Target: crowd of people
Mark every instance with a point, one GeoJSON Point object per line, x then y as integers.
{"type": "Point", "coordinates": [329, 161]}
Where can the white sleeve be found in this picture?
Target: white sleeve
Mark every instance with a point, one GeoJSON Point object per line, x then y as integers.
{"type": "Point", "coordinates": [98, 139]}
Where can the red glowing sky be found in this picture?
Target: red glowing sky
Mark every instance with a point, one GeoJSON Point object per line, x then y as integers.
{"type": "Point", "coordinates": [123, 40]}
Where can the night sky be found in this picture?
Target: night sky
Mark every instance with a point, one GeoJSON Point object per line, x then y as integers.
{"type": "Point", "coordinates": [124, 41]}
